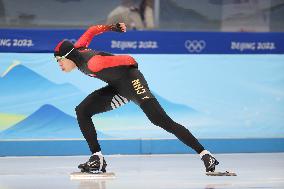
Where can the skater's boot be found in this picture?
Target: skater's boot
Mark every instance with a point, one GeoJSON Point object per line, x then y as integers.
{"type": "Point", "coordinates": [209, 161]}
{"type": "Point", "coordinates": [95, 164]}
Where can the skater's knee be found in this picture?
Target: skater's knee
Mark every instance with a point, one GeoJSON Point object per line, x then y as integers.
{"type": "Point", "coordinates": [163, 121]}
{"type": "Point", "coordinates": [81, 110]}
{"type": "Point", "coordinates": [157, 115]}
{"type": "Point", "coordinates": [156, 119]}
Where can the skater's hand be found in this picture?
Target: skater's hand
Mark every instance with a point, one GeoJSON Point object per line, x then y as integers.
{"type": "Point", "coordinates": [119, 27]}
{"type": "Point", "coordinates": [122, 26]}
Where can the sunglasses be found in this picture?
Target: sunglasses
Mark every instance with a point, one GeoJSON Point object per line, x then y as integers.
{"type": "Point", "coordinates": [58, 58]}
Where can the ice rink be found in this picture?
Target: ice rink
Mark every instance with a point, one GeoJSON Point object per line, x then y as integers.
{"type": "Point", "coordinates": [147, 171]}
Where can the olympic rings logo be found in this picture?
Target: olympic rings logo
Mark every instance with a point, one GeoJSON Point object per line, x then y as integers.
{"type": "Point", "coordinates": [195, 45]}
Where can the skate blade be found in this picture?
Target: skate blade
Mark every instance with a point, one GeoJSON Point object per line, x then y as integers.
{"type": "Point", "coordinates": [91, 176]}
{"type": "Point", "coordinates": [225, 173]}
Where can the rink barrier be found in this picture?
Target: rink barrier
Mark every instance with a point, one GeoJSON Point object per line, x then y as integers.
{"type": "Point", "coordinates": [62, 147]}
{"type": "Point", "coordinates": [146, 42]}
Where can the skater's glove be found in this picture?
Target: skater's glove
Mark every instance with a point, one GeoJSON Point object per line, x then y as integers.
{"type": "Point", "coordinates": [119, 27]}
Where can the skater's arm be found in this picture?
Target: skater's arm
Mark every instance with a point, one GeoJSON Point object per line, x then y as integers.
{"type": "Point", "coordinates": [92, 31]}
{"type": "Point", "coordinates": [98, 63]}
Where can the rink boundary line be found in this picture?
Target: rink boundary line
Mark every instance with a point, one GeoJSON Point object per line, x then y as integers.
{"type": "Point", "coordinates": [80, 139]}
{"type": "Point", "coordinates": [139, 155]}
{"type": "Point", "coordinates": [52, 147]}
{"type": "Point", "coordinates": [122, 139]}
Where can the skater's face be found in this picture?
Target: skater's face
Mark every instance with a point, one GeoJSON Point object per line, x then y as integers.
{"type": "Point", "coordinates": [65, 64]}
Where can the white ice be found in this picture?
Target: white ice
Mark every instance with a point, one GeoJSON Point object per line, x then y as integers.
{"type": "Point", "coordinates": [145, 172]}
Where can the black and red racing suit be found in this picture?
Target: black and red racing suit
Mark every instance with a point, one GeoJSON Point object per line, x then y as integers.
{"type": "Point", "coordinates": [125, 83]}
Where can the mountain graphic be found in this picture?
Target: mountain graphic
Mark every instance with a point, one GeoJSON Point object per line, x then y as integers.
{"type": "Point", "coordinates": [47, 122]}
{"type": "Point", "coordinates": [23, 91]}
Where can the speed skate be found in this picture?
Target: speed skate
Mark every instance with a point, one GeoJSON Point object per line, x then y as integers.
{"type": "Point", "coordinates": [220, 173]}
{"type": "Point", "coordinates": [91, 176]}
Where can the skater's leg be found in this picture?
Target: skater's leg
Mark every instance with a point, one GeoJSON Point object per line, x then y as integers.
{"type": "Point", "coordinates": [159, 117]}
{"type": "Point", "coordinates": [135, 88]}
{"type": "Point", "coordinates": [102, 100]}
{"type": "Point", "coordinates": [99, 101]}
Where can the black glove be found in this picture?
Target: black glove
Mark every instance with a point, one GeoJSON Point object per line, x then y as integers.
{"type": "Point", "coordinates": [116, 27]}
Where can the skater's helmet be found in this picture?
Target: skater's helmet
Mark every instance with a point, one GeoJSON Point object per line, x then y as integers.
{"type": "Point", "coordinates": [66, 49]}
